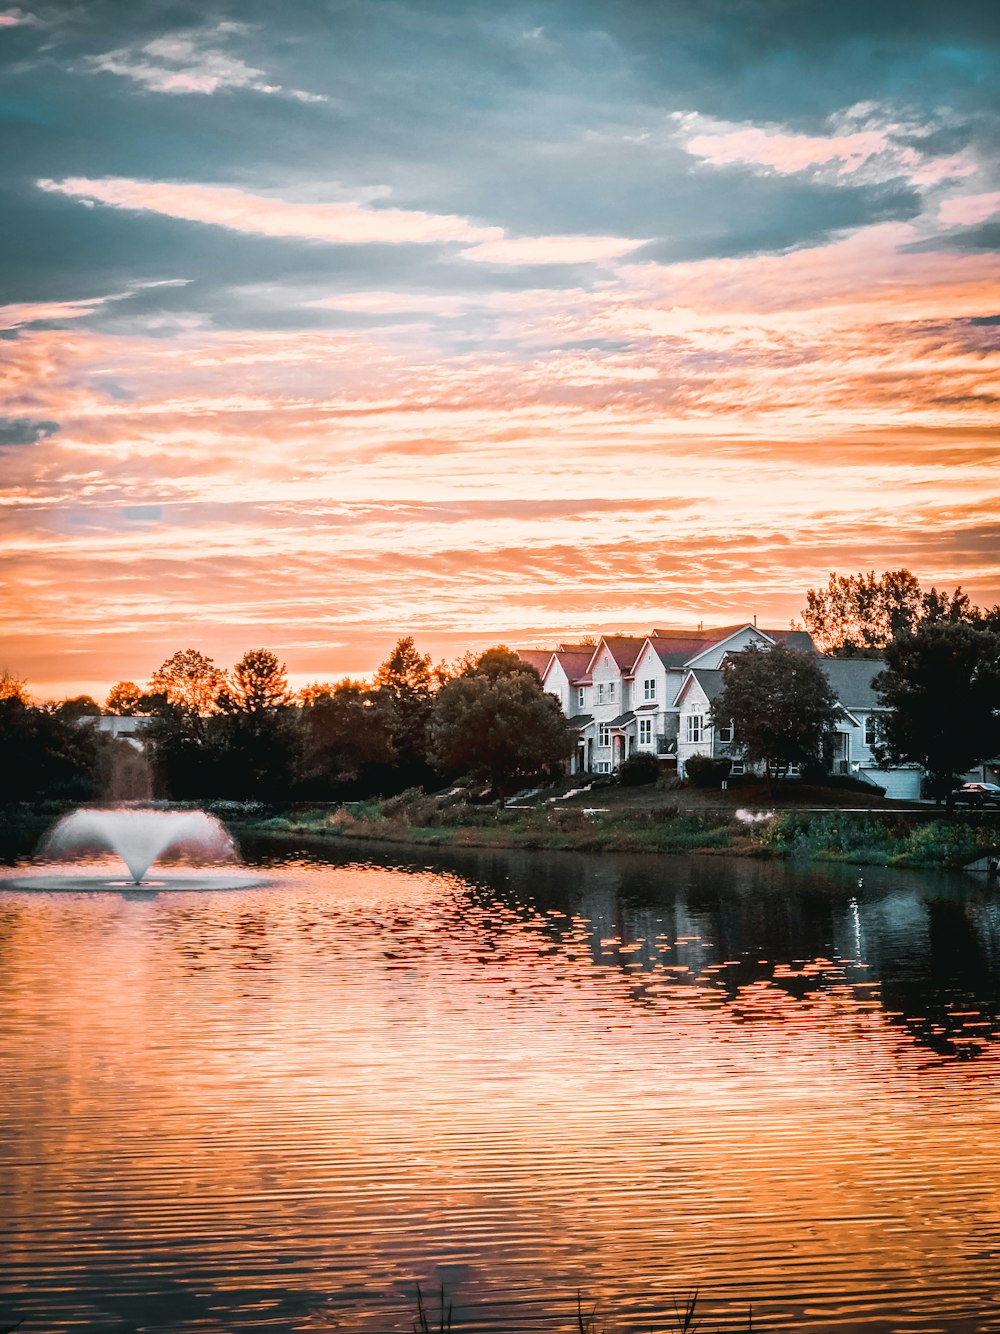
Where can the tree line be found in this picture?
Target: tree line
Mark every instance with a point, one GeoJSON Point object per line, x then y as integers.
{"type": "Point", "coordinates": [243, 734]}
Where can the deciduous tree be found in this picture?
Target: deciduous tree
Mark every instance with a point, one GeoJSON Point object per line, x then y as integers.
{"type": "Point", "coordinates": [123, 699]}
{"type": "Point", "coordinates": [495, 720]}
{"type": "Point", "coordinates": [346, 734]}
{"type": "Point", "coordinates": [190, 680]}
{"type": "Point", "coordinates": [780, 704]}
{"type": "Point", "coordinates": [941, 686]}
{"type": "Point", "coordinates": [858, 614]}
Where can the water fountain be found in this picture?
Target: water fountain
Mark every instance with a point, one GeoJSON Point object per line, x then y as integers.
{"type": "Point", "coordinates": [140, 836]}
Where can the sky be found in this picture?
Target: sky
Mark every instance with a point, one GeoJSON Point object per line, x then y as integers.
{"type": "Point", "coordinates": [341, 320]}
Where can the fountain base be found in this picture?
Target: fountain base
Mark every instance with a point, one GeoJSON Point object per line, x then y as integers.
{"type": "Point", "coordinates": [119, 884]}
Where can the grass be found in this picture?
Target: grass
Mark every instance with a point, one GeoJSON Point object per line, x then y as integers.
{"type": "Point", "coordinates": [871, 837]}
{"type": "Point", "coordinates": [442, 1321]}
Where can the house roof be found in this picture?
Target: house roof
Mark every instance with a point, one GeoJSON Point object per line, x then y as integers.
{"type": "Point", "coordinates": [622, 719]}
{"type": "Point", "coordinates": [674, 650]}
{"type": "Point", "coordinates": [623, 648]}
{"type": "Point", "coordinates": [575, 661]}
{"type": "Point", "coordinates": [711, 680]}
{"type": "Point", "coordinates": [581, 720]}
{"type": "Point", "coordinates": [539, 658]}
{"type": "Point", "coordinates": [797, 639]}
{"type": "Point", "coordinates": [851, 679]}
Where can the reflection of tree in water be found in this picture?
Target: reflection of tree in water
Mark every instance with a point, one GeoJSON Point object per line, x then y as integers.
{"type": "Point", "coordinates": [720, 932]}
{"type": "Point", "coordinates": [928, 955]}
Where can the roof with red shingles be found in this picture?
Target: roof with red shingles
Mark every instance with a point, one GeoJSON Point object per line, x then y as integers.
{"type": "Point", "coordinates": [624, 649]}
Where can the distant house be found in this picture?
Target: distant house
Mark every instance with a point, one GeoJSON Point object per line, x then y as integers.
{"type": "Point", "coordinates": [654, 693]}
{"type": "Point", "coordinates": [850, 750]}
{"type": "Point", "coordinates": [621, 694]}
{"type": "Point", "coordinates": [128, 727]}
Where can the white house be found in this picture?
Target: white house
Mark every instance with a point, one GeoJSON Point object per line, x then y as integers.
{"type": "Point", "coordinates": [621, 694]}
{"type": "Point", "coordinates": [850, 749]}
{"type": "Point", "coordinates": [654, 693]}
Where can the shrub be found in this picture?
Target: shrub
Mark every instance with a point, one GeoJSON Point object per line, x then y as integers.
{"type": "Point", "coordinates": [703, 771]}
{"type": "Point", "coordinates": [639, 770]}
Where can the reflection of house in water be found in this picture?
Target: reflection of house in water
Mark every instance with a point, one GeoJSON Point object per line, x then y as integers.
{"type": "Point", "coordinates": [922, 951]}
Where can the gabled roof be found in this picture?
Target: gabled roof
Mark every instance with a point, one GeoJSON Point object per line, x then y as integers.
{"type": "Point", "coordinates": [797, 639]}
{"type": "Point", "coordinates": [711, 680]}
{"type": "Point", "coordinates": [575, 661]}
{"type": "Point", "coordinates": [622, 719]}
{"type": "Point", "coordinates": [581, 720]}
{"type": "Point", "coordinates": [851, 679]}
{"type": "Point", "coordinates": [539, 658]}
{"type": "Point", "coordinates": [675, 650]}
{"type": "Point", "coordinates": [623, 648]}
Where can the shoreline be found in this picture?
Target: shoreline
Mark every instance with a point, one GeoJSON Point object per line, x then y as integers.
{"type": "Point", "coordinates": [862, 838]}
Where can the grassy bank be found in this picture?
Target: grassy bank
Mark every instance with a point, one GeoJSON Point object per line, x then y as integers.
{"type": "Point", "coordinates": [862, 838]}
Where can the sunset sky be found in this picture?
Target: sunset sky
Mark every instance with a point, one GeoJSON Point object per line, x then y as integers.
{"type": "Point", "coordinates": [338, 320]}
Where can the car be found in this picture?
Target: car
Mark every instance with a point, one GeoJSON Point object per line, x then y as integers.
{"type": "Point", "coordinates": [975, 794]}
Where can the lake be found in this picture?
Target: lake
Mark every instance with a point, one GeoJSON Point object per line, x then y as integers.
{"type": "Point", "coordinates": [519, 1076]}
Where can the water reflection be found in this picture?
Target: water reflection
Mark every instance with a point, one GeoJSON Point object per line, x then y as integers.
{"type": "Point", "coordinates": [521, 1075]}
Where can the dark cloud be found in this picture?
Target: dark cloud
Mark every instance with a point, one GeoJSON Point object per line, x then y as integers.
{"type": "Point", "coordinates": [24, 431]}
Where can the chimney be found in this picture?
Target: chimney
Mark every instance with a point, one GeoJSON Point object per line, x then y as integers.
{"type": "Point", "coordinates": [755, 620]}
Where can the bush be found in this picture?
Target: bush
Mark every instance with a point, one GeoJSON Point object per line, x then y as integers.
{"type": "Point", "coordinates": [703, 771]}
{"type": "Point", "coordinates": [639, 770]}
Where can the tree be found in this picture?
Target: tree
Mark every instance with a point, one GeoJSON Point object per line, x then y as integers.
{"type": "Point", "coordinates": [858, 614]}
{"type": "Point", "coordinates": [406, 683]}
{"type": "Point", "coordinates": [346, 735]}
{"type": "Point", "coordinates": [182, 695]}
{"type": "Point", "coordinates": [123, 699]}
{"type": "Point", "coordinates": [941, 686]}
{"type": "Point", "coordinates": [780, 704]}
{"type": "Point", "coordinates": [495, 720]}
{"type": "Point", "coordinates": [80, 706]}
{"type": "Point", "coordinates": [45, 755]}
{"type": "Point", "coordinates": [189, 680]}
{"type": "Point", "coordinates": [257, 684]}
{"type": "Point", "coordinates": [253, 733]}
{"type": "Point", "coordinates": [13, 687]}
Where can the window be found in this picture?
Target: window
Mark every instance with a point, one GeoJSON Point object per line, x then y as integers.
{"type": "Point", "coordinates": [649, 689]}
{"type": "Point", "coordinates": [604, 735]}
{"type": "Point", "coordinates": [602, 767]}
{"type": "Point", "coordinates": [600, 692]}
{"type": "Point", "coordinates": [645, 731]}
{"type": "Point", "coordinates": [695, 727]}
{"type": "Point", "coordinates": [726, 733]}
{"type": "Point", "coordinates": [871, 730]}
{"type": "Point", "coordinates": [738, 767]}
{"type": "Point", "coordinates": [611, 690]}
{"type": "Point", "coordinates": [581, 696]}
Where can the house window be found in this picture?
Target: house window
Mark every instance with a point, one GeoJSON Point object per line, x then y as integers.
{"type": "Point", "coordinates": [695, 727]}
{"type": "Point", "coordinates": [871, 730]}
{"type": "Point", "coordinates": [726, 733]}
{"type": "Point", "coordinates": [604, 735]}
{"type": "Point", "coordinates": [611, 690]}
{"type": "Point", "coordinates": [645, 731]}
{"type": "Point", "coordinates": [602, 767]}
{"type": "Point", "coordinates": [738, 767]}
{"type": "Point", "coordinates": [600, 692]}
{"type": "Point", "coordinates": [580, 697]}
{"type": "Point", "coordinates": [649, 689]}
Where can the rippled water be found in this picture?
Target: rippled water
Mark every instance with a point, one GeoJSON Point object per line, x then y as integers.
{"type": "Point", "coordinates": [276, 1108]}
